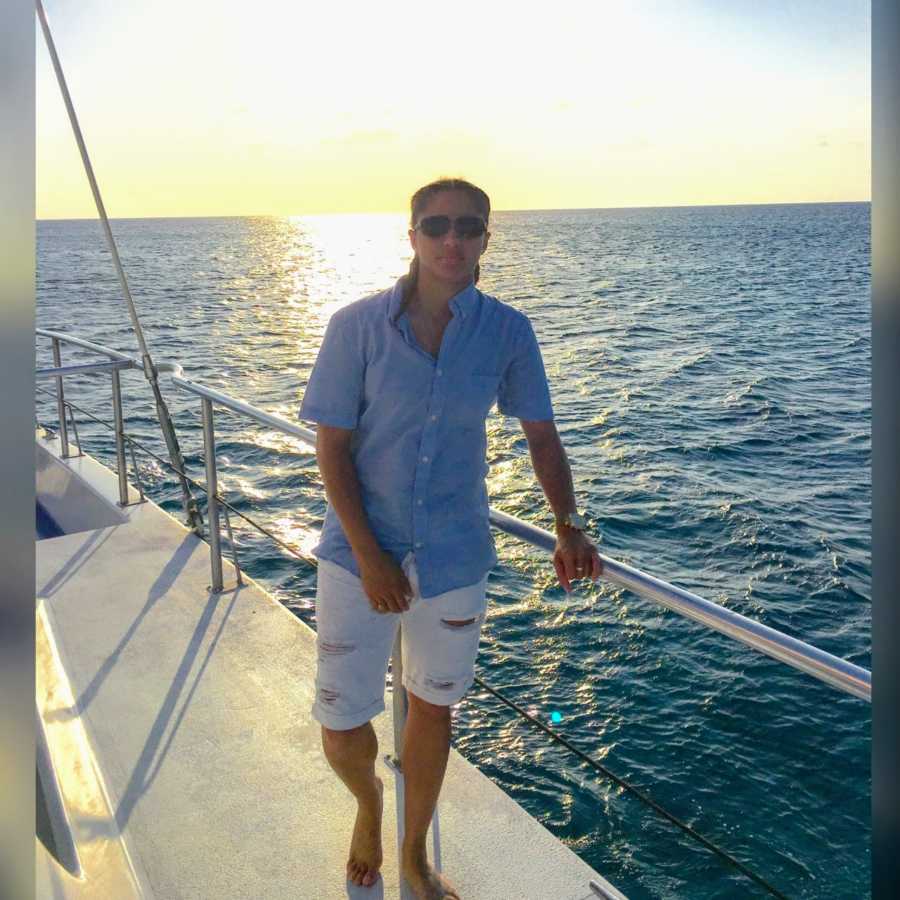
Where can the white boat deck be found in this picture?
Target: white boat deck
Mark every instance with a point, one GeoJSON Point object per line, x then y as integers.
{"type": "Point", "coordinates": [179, 728]}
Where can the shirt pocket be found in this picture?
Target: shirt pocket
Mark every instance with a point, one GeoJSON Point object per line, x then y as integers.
{"type": "Point", "coordinates": [472, 398]}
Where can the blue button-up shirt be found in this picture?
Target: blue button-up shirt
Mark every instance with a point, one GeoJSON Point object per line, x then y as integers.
{"type": "Point", "coordinates": [419, 441]}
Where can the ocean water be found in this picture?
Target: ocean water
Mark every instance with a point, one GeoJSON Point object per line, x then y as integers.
{"type": "Point", "coordinates": [709, 368]}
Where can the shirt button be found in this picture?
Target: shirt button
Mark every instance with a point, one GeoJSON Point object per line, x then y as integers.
{"type": "Point", "coordinates": [424, 459]}
{"type": "Point", "coordinates": [440, 371]}
{"type": "Point", "coordinates": [418, 502]}
{"type": "Point", "coordinates": [418, 543]}
{"type": "Point", "coordinates": [434, 418]}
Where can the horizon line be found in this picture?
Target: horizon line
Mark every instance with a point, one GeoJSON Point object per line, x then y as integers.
{"type": "Point", "coordinates": [270, 215]}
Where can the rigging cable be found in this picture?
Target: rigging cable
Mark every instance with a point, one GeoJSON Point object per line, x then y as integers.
{"type": "Point", "coordinates": [192, 511]}
{"type": "Point", "coordinates": [598, 767]}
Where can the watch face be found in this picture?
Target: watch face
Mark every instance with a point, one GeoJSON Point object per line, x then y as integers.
{"type": "Point", "coordinates": [576, 520]}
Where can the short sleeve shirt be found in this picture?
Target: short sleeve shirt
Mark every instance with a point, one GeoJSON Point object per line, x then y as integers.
{"type": "Point", "coordinates": [419, 444]}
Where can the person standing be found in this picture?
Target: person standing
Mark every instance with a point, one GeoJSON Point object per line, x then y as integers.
{"type": "Point", "coordinates": [400, 392]}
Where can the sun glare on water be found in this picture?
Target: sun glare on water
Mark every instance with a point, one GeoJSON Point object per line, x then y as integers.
{"type": "Point", "coordinates": [350, 256]}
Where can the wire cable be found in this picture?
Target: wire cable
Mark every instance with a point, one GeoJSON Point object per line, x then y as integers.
{"type": "Point", "coordinates": [644, 798]}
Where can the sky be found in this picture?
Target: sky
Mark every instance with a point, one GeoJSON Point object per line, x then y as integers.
{"type": "Point", "coordinates": [215, 107]}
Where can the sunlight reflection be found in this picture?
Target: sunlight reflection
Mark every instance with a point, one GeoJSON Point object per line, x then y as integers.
{"type": "Point", "coordinates": [245, 488]}
{"type": "Point", "coordinates": [509, 475]}
{"type": "Point", "coordinates": [296, 534]}
{"type": "Point", "coordinates": [282, 443]}
{"type": "Point", "coordinates": [350, 256]}
{"type": "Point", "coordinates": [299, 271]}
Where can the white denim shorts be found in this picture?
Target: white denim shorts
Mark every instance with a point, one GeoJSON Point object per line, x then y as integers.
{"type": "Point", "coordinates": [354, 645]}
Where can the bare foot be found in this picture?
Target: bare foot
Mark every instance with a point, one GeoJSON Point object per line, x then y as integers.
{"type": "Point", "coordinates": [426, 883]}
{"type": "Point", "coordinates": [365, 846]}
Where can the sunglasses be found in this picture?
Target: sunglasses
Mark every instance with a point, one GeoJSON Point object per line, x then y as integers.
{"type": "Point", "coordinates": [463, 227]}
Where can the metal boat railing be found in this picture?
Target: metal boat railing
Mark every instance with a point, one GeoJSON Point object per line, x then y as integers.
{"type": "Point", "coordinates": [833, 670]}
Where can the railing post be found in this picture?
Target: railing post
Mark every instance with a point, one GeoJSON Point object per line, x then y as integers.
{"type": "Point", "coordinates": [400, 704]}
{"type": "Point", "coordinates": [120, 438]}
{"type": "Point", "coordinates": [60, 403]}
{"type": "Point", "coordinates": [212, 487]}
{"type": "Point", "coordinates": [234, 558]}
{"type": "Point", "coordinates": [137, 472]}
{"type": "Point", "coordinates": [399, 698]}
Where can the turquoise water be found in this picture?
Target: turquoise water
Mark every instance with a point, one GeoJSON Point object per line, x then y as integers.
{"type": "Point", "coordinates": [710, 372]}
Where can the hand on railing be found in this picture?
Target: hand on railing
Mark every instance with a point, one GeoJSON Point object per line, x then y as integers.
{"type": "Point", "coordinates": [575, 557]}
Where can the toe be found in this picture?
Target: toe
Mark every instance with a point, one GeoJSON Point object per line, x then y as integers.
{"type": "Point", "coordinates": [369, 878]}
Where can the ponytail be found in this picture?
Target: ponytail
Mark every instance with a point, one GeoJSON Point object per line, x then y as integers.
{"type": "Point", "coordinates": [410, 283]}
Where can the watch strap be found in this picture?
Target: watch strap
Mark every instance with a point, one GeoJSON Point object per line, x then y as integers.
{"type": "Point", "coordinates": [575, 521]}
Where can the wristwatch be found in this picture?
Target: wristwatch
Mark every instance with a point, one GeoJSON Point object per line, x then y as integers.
{"type": "Point", "coordinates": [574, 520]}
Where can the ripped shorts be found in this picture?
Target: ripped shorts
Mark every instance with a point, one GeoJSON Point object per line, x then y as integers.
{"type": "Point", "coordinates": [354, 645]}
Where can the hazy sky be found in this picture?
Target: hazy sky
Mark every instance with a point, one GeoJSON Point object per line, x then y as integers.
{"type": "Point", "coordinates": [273, 107]}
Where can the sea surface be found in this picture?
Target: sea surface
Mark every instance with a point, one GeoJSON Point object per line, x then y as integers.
{"type": "Point", "coordinates": [710, 372]}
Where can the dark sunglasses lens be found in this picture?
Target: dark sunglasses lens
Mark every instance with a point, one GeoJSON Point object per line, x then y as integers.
{"type": "Point", "coordinates": [469, 227]}
{"type": "Point", "coordinates": [435, 226]}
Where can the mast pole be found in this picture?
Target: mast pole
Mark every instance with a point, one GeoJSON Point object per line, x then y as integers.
{"type": "Point", "coordinates": [194, 519]}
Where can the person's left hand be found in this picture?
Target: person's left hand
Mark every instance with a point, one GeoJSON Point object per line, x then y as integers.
{"type": "Point", "coordinates": [575, 557]}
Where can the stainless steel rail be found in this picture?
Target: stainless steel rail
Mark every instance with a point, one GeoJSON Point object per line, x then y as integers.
{"type": "Point", "coordinates": [833, 670]}
{"type": "Point", "coordinates": [118, 361]}
{"type": "Point", "coordinates": [60, 404]}
{"type": "Point", "coordinates": [212, 490]}
{"type": "Point", "coordinates": [279, 423]}
{"type": "Point", "coordinates": [86, 345]}
{"type": "Point", "coordinates": [83, 369]}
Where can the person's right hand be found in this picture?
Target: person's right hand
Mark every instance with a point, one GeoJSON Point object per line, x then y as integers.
{"type": "Point", "coordinates": [385, 583]}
